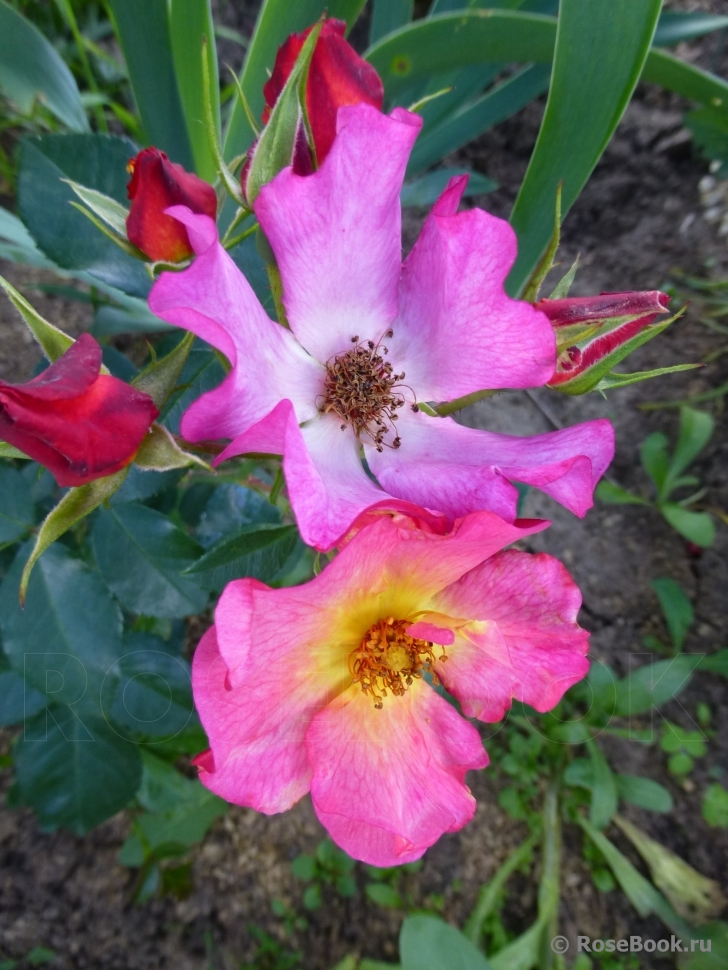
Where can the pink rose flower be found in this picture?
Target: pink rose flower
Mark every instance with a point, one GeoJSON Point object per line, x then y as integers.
{"type": "Point", "coordinates": [371, 339]}
{"type": "Point", "coordinates": [321, 687]}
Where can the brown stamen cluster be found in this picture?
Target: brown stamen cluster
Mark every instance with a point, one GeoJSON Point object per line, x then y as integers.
{"type": "Point", "coordinates": [388, 659]}
{"type": "Point", "coordinates": [361, 388]}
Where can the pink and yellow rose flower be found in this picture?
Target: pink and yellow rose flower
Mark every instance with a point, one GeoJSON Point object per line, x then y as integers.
{"type": "Point", "coordinates": [327, 687]}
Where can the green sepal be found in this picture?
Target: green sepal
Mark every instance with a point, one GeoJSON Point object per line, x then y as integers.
{"type": "Point", "coordinates": [159, 452]}
{"type": "Point", "coordinates": [590, 379]}
{"type": "Point", "coordinates": [7, 451]}
{"type": "Point", "coordinates": [561, 290]}
{"type": "Point", "coordinates": [546, 264]}
{"type": "Point", "coordinates": [277, 142]}
{"type": "Point", "coordinates": [121, 241]}
{"type": "Point", "coordinates": [54, 342]}
{"type": "Point", "coordinates": [113, 213]}
{"type": "Point", "coordinates": [75, 504]}
{"type": "Point", "coordinates": [613, 380]}
{"type": "Point", "coordinates": [159, 378]}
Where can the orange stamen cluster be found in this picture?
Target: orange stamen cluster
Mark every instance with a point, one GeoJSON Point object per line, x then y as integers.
{"type": "Point", "coordinates": [388, 659]}
{"type": "Point", "coordinates": [361, 388]}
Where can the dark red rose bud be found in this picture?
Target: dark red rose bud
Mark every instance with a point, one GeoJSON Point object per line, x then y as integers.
{"type": "Point", "coordinates": [155, 185]}
{"type": "Point", "coordinates": [79, 423]}
{"type": "Point", "coordinates": [338, 77]}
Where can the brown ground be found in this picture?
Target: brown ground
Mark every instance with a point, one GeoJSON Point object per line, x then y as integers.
{"type": "Point", "coordinates": [638, 219]}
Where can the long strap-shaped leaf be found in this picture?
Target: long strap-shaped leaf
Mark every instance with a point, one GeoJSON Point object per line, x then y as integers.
{"type": "Point", "coordinates": [600, 52]}
{"type": "Point", "coordinates": [389, 15]}
{"type": "Point", "coordinates": [190, 21]}
{"type": "Point", "coordinates": [441, 44]}
{"type": "Point", "coordinates": [143, 30]}
{"type": "Point", "coordinates": [276, 20]}
{"type": "Point", "coordinates": [463, 126]}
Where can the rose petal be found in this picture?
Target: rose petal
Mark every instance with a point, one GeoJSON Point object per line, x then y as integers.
{"type": "Point", "coordinates": [457, 330]}
{"type": "Point", "coordinates": [524, 642]}
{"type": "Point", "coordinates": [338, 247]}
{"type": "Point", "coordinates": [388, 783]}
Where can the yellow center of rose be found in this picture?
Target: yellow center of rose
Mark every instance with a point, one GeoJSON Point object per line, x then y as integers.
{"type": "Point", "coordinates": [362, 389]}
{"type": "Point", "coordinates": [388, 660]}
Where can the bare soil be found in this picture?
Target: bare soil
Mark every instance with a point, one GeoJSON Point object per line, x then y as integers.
{"type": "Point", "coordinates": [638, 221]}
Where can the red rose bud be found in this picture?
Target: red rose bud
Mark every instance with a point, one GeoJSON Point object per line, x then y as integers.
{"type": "Point", "coordinates": [337, 77]}
{"type": "Point", "coordinates": [594, 333]}
{"type": "Point", "coordinates": [79, 423]}
{"type": "Point", "coordinates": [155, 185]}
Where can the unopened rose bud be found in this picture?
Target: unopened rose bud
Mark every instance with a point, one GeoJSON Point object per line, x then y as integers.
{"type": "Point", "coordinates": [594, 333]}
{"type": "Point", "coordinates": [79, 423]}
{"type": "Point", "coordinates": [155, 185]}
{"type": "Point", "coordinates": [338, 76]}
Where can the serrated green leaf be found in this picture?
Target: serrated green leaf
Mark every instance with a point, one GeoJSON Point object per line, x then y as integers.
{"type": "Point", "coordinates": [54, 343]}
{"type": "Point", "coordinates": [696, 527]}
{"type": "Point", "coordinates": [75, 773]}
{"type": "Point", "coordinates": [148, 692]}
{"type": "Point", "coordinates": [70, 627]}
{"type": "Point", "coordinates": [257, 552]}
{"type": "Point", "coordinates": [18, 700]}
{"type": "Point", "coordinates": [17, 508]}
{"type": "Point", "coordinates": [61, 232]}
{"type": "Point", "coordinates": [74, 506]}
{"type": "Point", "coordinates": [141, 555]}
{"type": "Point", "coordinates": [31, 70]}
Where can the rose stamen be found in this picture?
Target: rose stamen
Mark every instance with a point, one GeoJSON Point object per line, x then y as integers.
{"type": "Point", "coordinates": [361, 387]}
{"type": "Point", "coordinates": [388, 660]}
